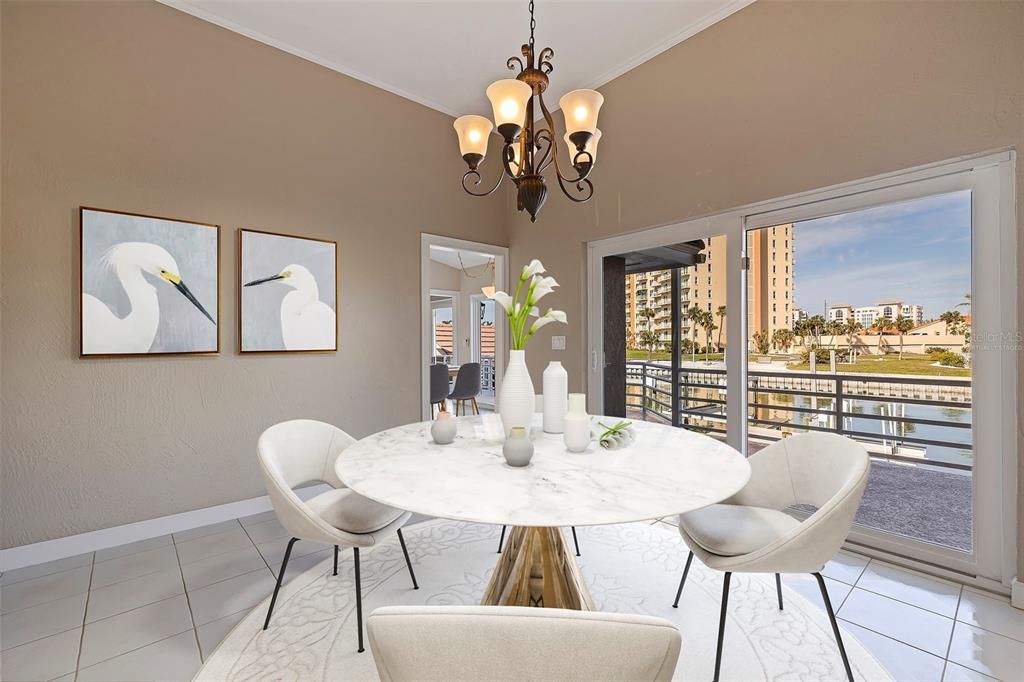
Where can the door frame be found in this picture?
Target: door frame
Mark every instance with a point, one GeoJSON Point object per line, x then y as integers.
{"type": "Point", "coordinates": [500, 255]}
{"type": "Point", "coordinates": [991, 178]}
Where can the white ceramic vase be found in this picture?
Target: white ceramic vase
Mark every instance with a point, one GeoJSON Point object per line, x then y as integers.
{"type": "Point", "coordinates": [556, 397]}
{"type": "Point", "coordinates": [444, 429]}
{"type": "Point", "coordinates": [577, 424]}
{"type": "Point", "coordinates": [516, 396]}
{"type": "Point", "coordinates": [518, 448]}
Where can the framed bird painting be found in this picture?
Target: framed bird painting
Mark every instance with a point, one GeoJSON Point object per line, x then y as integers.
{"type": "Point", "coordinates": [149, 285]}
{"type": "Point", "coordinates": [287, 293]}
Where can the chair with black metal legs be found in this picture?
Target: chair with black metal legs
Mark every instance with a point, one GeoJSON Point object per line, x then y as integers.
{"type": "Point", "coordinates": [750, 532]}
{"type": "Point", "coordinates": [300, 451]}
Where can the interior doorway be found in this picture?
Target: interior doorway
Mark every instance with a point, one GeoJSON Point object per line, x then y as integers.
{"type": "Point", "coordinates": [460, 328]}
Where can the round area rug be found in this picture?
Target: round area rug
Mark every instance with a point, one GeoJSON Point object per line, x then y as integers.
{"type": "Point", "coordinates": [632, 568]}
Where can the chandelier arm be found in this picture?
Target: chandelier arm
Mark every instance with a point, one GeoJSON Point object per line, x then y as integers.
{"type": "Point", "coordinates": [476, 181]}
{"type": "Point", "coordinates": [544, 135]}
{"type": "Point", "coordinates": [544, 60]}
{"type": "Point", "coordinates": [513, 61]}
{"type": "Point", "coordinates": [583, 187]}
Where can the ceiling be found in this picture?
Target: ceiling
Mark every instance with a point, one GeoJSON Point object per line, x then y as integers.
{"type": "Point", "coordinates": [443, 54]}
{"type": "Point", "coordinates": [451, 257]}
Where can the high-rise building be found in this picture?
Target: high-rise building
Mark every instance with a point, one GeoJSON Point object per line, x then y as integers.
{"type": "Point", "coordinates": [770, 279]}
{"type": "Point", "coordinates": [703, 286]}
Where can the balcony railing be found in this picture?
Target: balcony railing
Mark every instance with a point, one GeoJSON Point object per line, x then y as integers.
{"type": "Point", "coordinates": [900, 418]}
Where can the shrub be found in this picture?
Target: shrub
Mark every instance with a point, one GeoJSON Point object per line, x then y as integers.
{"type": "Point", "coordinates": [951, 359]}
{"type": "Point", "coordinates": [821, 357]}
{"type": "Point", "coordinates": [934, 351]}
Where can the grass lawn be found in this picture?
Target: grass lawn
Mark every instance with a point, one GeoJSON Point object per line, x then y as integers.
{"type": "Point", "coordinates": [891, 364]}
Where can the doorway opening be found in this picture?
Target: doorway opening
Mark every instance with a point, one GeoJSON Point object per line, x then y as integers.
{"type": "Point", "coordinates": [460, 328]}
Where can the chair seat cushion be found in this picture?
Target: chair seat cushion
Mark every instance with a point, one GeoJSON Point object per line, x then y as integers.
{"type": "Point", "coordinates": [351, 512]}
{"type": "Point", "coordinates": [732, 529]}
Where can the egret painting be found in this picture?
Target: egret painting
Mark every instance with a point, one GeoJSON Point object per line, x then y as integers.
{"type": "Point", "coordinates": [288, 293]}
{"type": "Point", "coordinates": [149, 285]}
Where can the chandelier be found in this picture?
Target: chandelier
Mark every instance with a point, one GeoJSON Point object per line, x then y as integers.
{"type": "Point", "coordinates": [529, 146]}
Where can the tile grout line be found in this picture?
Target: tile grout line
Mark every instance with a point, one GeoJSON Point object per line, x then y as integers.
{"type": "Point", "coordinates": [188, 601]}
{"type": "Point", "coordinates": [889, 637]}
{"type": "Point", "coordinates": [952, 630]}
{"type": "Point", "coordinates": [256, 547]}
{"type": "Point", "coordinates": [85, 614]}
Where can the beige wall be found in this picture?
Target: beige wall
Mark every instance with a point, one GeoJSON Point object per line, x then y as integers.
{"type": "Point", "coordinates": [138, 107]}
{"type": "Point", "coordinates": [779, 98]}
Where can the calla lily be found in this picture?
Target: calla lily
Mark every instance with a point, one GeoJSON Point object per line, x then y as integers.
{"type": "Point", "coordinates": [558, 316]}
{"type": "Point", "coordinates": [541, 287]}
{"type": "Point", "coordinates": [504, 300]}
{"type": "Point", "coordinates": [519, 311]}
{"type": "Point", "coordinates": [534, 268]}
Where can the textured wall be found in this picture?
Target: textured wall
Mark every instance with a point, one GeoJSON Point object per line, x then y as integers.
{"type": "Point", "coordinates": [138, 107]}
{"type": "Point", "coordinates": [784, 97]}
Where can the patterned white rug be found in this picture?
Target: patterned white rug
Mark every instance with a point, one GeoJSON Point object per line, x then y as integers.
{"type": "Point", "coordinates": [631, 568]}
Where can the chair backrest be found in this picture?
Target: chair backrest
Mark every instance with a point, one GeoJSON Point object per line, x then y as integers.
{"type": "Point", "coordinates": [519, 643]}
{"type": "Point", "coordinates": [438, 382]}
{"type": "Point", "coordinates": [467, 383]}
{"type": "Point", "coordinates": [825, 470]}
{"type": "Point", "coordinates": [295, 452]}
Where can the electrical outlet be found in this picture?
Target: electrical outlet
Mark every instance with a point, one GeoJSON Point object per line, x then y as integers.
{"type": "Point", "coordinates": [557, 343]}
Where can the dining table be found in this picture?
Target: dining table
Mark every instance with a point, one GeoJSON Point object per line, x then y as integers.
{"type": "Point", "coordinates": [662, 472]}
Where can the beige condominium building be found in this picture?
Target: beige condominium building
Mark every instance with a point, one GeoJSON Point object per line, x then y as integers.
{"type": "Point", "coordinates": [770, 290]}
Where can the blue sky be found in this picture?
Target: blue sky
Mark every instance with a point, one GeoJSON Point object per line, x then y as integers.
{"type": "Point", "coordinates": [917, 251]}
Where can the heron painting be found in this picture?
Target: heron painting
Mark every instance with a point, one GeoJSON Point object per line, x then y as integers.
{"type": "Point", "coordinates": [149, 285]}
{"type": "Point", "coordinates": [288, 293]}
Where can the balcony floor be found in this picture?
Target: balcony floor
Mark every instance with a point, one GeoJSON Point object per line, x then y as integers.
{"type": "Point", "coordinates": [915, 501]}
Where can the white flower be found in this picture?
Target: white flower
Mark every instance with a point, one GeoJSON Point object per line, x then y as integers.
{"type": "Point", "coordinates": [547, 318]}
{"type": "Point", "coordinates": [534, 311]}
{"type": "Point", "coordinates": [540, 323]}
{"type": "Point", "coordinates": [558, 316]}
{"type": "Point", "coordinates": [541, 287]}
{"type": "Point", "coordinates": [503, 299]}
{"type": "Point", "coordinates": [534, 268]}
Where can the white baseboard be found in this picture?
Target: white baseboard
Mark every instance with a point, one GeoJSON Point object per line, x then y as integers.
{"type": "Point", "coordinates": [50, 550]}
{"type": "Point", "coordinates": [1017, 594]}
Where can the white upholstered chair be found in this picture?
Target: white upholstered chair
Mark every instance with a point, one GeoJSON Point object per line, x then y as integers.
{"type": "Point", "coordinates": [473, 643]}
{"type": "Point", "coordinates": [750, 533]}
{"type": "Point", "coordinates": [300, 451]}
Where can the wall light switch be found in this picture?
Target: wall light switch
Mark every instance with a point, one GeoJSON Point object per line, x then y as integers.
{"type": "Point", "coordinates": [557, 343]}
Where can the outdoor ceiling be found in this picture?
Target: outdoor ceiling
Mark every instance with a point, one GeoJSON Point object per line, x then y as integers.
{"type": "Point", "coordinates": [444, 54]}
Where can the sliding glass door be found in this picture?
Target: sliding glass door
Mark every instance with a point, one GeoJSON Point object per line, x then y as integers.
{"type": "Point", "coordinates": [883, 311]}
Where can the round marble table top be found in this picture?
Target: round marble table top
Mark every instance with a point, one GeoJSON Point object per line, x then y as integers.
{"type": "Point", "coordinates": [665, 471]}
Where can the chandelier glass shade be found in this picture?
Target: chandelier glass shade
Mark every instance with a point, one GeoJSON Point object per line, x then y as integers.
{"type": "Point", "coordinates": [529, 144]}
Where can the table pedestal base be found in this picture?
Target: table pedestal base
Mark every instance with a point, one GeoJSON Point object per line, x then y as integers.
{"type": "Point", "coordinates": [537, 568]}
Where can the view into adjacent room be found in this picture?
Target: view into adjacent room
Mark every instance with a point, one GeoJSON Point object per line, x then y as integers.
{"type": "Point", "coordinates": [462, 320]}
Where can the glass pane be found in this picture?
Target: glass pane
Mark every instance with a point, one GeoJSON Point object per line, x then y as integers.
{"type": "Point", "coordinates": [859, 324]}
{"type": "Point", "coordinates": [701, 335]}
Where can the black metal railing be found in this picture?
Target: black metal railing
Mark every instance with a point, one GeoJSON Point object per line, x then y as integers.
{"type": "Point", "coordinates": [787, 402]}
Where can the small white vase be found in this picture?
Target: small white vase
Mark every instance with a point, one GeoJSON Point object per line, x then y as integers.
{"type": "Point", "coordinates": [556, 397]}
{"type": "Point", "coordinates": [518, 448]}
{"type": "Point", "coordinates": [516, 396]}
{"type": "Point", "coordinates": [444, 429]}
{"type": "Point", "coordinates": [577, 424]}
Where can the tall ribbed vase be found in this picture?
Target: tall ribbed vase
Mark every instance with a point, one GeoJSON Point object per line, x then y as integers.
{"type": "Point", "coordinates": [516, 396]}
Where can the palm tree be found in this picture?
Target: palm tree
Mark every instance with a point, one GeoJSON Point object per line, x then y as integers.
{"type": "Point", "coordinates": [694, 315]}
{"type": "Point", "coordinates": [903, 325]}
{"type": "Point", "coordinates": [648, 339]}
{"type": "Point", "coordinates": [707, 320]}
{"type": "Point", "coordinates": [954, 321]}
{"type": "Point", "coordinates": [721, 312]}
{"type": "Point", "coordinates": [966, 303]}
{"type": "Point", "coordinates": [881, 324]}
{"type": "Point", "coordinates": [851, 328]}
{"type": "Point", "coordinates": [781, 338]}
{"type": "Point", "coordinates": [816, 324]}
{"type": "Point", "coordinates": [761, 341]}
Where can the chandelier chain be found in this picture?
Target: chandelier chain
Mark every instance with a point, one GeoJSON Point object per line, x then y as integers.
{"type": "Point", "coordinates": [533, 24]}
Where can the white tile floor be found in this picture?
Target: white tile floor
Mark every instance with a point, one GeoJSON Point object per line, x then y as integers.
{"type": "Point", "coordinates": [159, 607]}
